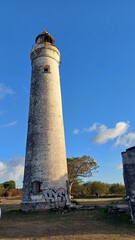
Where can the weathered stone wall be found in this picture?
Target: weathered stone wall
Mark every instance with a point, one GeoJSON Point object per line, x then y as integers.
{"type": "Point", "coordinates": [128, 159]}
{"type": "Point", "coordinates": [45, 161]}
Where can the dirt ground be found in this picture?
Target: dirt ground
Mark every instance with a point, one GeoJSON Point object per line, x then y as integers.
{"type": "Point", "coordinates": [78, 225]}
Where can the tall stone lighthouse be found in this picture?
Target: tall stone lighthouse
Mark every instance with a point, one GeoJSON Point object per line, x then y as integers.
{"type": "Point", "coordinates": [45, 184]}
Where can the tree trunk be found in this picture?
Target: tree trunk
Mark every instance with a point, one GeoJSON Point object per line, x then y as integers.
{"type": "Point", "coordinates": [70, 187]}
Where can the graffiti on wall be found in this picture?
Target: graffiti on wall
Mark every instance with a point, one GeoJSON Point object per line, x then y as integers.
{"type": "Point", "coordinates": [57, 197]}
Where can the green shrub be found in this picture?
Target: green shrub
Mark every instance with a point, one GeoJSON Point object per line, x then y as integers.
{"type": "Point", "coordinates": [1, 186]}
{"type": "Point", "coordinates": [9, 184]}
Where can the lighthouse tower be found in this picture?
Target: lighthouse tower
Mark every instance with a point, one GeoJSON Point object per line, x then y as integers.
{"type": "Point", "coordinates": [45, 184]}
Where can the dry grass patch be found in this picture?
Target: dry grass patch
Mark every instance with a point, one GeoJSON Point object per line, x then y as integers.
{"type": "Point", "coordinates": [99, 201]}
{"type": "Point", "coordinates": [80, 237]}
{"type": "Point", "coordinates": [77, 225]}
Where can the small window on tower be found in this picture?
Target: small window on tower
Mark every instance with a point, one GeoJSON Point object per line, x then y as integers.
{"type": "Point", "coordinates": [36, 187]}
{"type": "Point", "coordinates": [47, 69]}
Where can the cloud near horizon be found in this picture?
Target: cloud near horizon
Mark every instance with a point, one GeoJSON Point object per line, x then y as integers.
{"type": "Point", "coordinates": [4, 91]}
{"type": "Point", "coordinates": [13, 169]}
{"type": "Point", "coordinates": [120, 166]}
{"type": "Point", "coordinates": [120, 133]}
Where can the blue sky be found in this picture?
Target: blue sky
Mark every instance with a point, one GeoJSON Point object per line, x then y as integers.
{"type": "Point", "coordinates": [97, 44]}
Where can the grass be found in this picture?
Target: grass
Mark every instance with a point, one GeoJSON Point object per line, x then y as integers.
{"type": "Point", "coordinates": [78, 225]}
{"type": "Point", "coordinates": [100, 201]}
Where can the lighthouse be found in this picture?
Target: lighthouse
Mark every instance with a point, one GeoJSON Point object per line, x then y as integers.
{"type": "Point", "coordinates": [45, 184]}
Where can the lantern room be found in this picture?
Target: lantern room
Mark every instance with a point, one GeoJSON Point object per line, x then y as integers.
{"type": "Point", "coordinates": [45, 37]}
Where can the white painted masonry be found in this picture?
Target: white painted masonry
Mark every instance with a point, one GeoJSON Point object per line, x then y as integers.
{"type": "Point", "coordinates": [45, 183]}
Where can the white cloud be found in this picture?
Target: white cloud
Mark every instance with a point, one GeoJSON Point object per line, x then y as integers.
{"type": "Point", "coordinates": [127, 140]}
{"type": "Point", "coordinates": [10, 124]}
{"type": "Point", "coordinates": [76, 131]}
{"type": "Point", "coordinates": [120, 133]}
{"type": "Point", "coordinates": [12, 170]}
{"type": "Point", "coordinates": [94, 127]}
{"type": "Point", "coordinates": [104, 134]}
{"type": "Point", "coordinates": [120, 166]}
{"type": "Point", "coordinates": [4, 91]}
{"type": "Point", "coordinates": [3, 169]}
{"type": "Point", "coordinates": [17, 173]}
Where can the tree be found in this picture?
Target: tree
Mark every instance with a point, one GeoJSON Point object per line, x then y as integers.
{"type": "Point", "coordinates": [99, 188]}
{"type": "Point", "coordinates": [117, 188]}
{"type": "Point", "coordinates": [75, 188]}
{"type": "Point", "coordinates": [9, 184]}
{"type": "Point", "coordinates": [1, 186]}
{"type": "Point", "coordinates": [80, 167]}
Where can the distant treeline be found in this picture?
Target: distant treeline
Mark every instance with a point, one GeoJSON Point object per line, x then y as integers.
{"type": "Point", "coordinates": [97, 188]}
{"type": "Point", "coordinates": [8, 189]}
{"type": "Point", "coordinates": [79, 189]}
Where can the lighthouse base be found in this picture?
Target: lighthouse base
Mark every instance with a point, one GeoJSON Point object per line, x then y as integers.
{"type": "Point", "coordinates": [51, 198]}
{"type": "Point", "coordinates": [43, 206]}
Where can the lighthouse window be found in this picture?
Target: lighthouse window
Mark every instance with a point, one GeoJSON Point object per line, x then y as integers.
{"type": "Point", "coordinates": [47, 68]}
{"type": "Point", "coordinates": [36, 187]}
{"type": "Point", "coordinates": [46, 39]}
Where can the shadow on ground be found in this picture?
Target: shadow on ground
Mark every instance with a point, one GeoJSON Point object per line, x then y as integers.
{"type": "Point", "coordinates": [17, 224]}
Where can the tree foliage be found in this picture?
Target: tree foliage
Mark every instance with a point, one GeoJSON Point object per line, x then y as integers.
{"type": "Point", "coordinates": [9, 184]}
{"type": "Point", "coordinates": [1, 186]}
{"type": "Point", "coordinates": [97, 188]}
{"type": "Point", "coordinates": [117, 188]}
{"type": "Point", "coordinates": [80, 167]}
